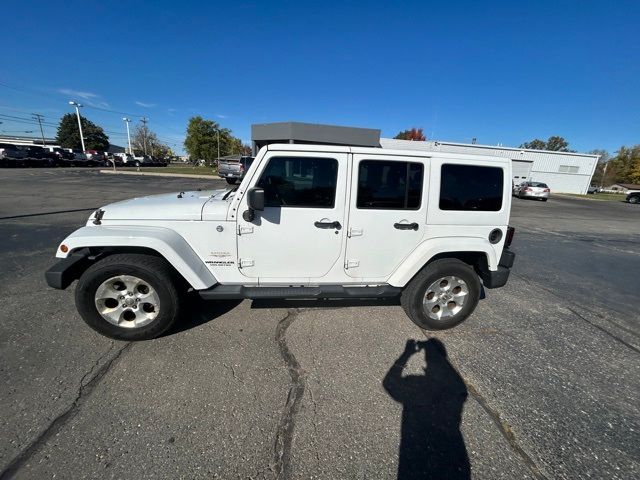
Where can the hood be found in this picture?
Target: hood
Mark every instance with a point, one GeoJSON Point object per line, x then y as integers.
{"type": "Point", "coordinates": [168, 206]}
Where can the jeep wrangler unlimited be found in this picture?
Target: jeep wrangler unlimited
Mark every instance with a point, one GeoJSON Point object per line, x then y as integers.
{"type": "Point", "coordinates": [307, 221]}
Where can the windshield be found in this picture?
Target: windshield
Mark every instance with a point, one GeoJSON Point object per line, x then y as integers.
{"type": "Point", "coordinates": [538, 184]}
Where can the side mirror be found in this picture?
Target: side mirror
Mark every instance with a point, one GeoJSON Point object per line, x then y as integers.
{"type": "Point", "coordinates": [255, 198]}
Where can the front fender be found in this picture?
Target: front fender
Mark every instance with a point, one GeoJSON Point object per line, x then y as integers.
{"type": "Point", "coordinates": [173, 247]}
{"type": "Point", "coordinates": [435, 246]}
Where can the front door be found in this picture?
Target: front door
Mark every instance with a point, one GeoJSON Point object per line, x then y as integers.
{"type": "Point", "coordinates": [298, 237]}
{"type": "Point", "coordinates": [387, 213]}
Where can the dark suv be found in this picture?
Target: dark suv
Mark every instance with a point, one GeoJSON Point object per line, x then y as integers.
{"type": "Point", "coordinates": [633, 197]}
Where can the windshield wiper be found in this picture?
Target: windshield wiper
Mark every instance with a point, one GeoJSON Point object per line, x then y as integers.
{"type": "Point", "coordinates": [226, 195]}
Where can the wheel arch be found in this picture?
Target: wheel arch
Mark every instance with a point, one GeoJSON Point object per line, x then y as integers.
{"type": "Point", "coordinates": [162, 242]}
{"type": "Point", "coordinates": [476, 252]}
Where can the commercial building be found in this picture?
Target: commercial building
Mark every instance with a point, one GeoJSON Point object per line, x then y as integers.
{"type": "Point", "coordinates": [562, 171]}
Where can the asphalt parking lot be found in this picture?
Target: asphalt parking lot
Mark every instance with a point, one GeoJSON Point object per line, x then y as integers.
{"type": "Point", "coordinates": [541, 382]}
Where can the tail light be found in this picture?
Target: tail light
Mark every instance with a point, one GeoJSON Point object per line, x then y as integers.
{"type": "Point", "coordinates": [509, 238]}
{"type": "Point", "coordinates": [241, 168]}
{"type": "Point", "coordinates": [547, 190]}
{"type": "Point", "coordinates": [526, 189]}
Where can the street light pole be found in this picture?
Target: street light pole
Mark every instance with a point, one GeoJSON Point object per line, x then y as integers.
{"type": "Point", "coordinates": [127, 122]}
{"type": "Point", "coordinates": [78, 105]}
{"type": "Point", "coordinates": [144, 121]}
{"type": "Point", "coordinates": [218, 131]}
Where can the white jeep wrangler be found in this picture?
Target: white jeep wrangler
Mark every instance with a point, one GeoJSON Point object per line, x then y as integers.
{"type": "Point", "coordinates": [307, 221]}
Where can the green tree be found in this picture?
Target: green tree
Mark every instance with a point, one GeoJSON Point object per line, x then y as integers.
{"type": "Point", "coordinates": [536, 144]}
{"type": "Point", "coordinates": [69, 137]}
{"type": "Point", "coordinates": [201, 142]}
{"type": "Point", "coordinates": [554, 144]}
{"type": "Point", "coordinates": [414, 134]}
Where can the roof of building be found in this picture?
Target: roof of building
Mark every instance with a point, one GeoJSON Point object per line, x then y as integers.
{"type": "Point", "coordinates": [314, 133]}
{"type": "Point", "coordinates": [630, 186]}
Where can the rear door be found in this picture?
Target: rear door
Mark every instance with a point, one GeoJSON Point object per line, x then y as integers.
{"type": "Point", "coordinates": [387, 213]}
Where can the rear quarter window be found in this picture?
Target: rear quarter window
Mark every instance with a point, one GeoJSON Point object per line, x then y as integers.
{"type": "Point", "coordinates": [471, 188]}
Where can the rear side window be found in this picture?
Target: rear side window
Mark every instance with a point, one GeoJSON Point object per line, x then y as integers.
{"type": "Point", "coordinates": [387, 185]}
{"type": "Point", "coordinates": [299, 182]}
{"type": "Point", "coordinates": [469, 187]}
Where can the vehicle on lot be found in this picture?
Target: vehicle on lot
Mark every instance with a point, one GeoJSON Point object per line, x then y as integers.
{"type": "Point", "coordinates": [141, 161]}
{"type": "Point", "coordinates": [233, 168]}
{"type": "Point", "coordinates": [40, 157]}
{"type": "Point", "coordinates": [80, 158]}
{"type": "Point", "coordinates": [633, 197]}
{"type": "Point", "coordinates": [63, 157]}
{"type": "Point", "coordinates": [537, 190]}
{"type": "Point", "coordinates": [96, 157]}
{"type": "Point", "coordinates": [11, 155]}
{"type": "Point", "coordinates": [592, 189]}
{"type": "Point", "coordinates": [307, 221]}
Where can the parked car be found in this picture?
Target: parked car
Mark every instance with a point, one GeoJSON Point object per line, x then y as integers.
{"type": "Point", "coordinates": [592, 189]}
{"type": "Point", "coordinates": [38, 156]}
{"type": "Point", "coordinates": [633, 197]}
{"type": "Point", "coordinates": [307, 222]}
{"type": "Point", "coordinates": [537, 190]}
{"type": "Point", "coordinates": [63, 157]}
{"type": "Point", "coordinates": [233, 169]}
{"type": "Point", "coordinates": [80, 158]}
{"type": "Point", "coordinates": [11, 155]}
{"type": "Point", "coordinates": [141, 161]}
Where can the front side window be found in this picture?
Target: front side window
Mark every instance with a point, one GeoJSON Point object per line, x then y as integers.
{"type": "Point", "coordinates": [299, 182]}
{"type": "Point", "coordinates": [469, 187]}
{"type": "Point", "coordinates": [388, 185]}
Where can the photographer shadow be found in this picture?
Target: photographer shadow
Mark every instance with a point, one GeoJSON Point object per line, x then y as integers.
{"type": "Point", "coordinates": [431, 444]}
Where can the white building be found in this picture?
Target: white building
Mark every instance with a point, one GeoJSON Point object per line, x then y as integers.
{"type": "Point", "coordinates": [562, 171]}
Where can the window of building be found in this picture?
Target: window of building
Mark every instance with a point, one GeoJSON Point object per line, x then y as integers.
{"type": "Point", "coordinates": [299, 182]}
{"type": "Point", "coordinates": [568, 169]}
{"type": "Point", "coordinates": [389, 185]}
{"type": "Point", "coordinates": [469, 187]}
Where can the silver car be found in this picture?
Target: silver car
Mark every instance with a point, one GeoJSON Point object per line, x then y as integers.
{"type": "Point", "coordinates": [537, 190]}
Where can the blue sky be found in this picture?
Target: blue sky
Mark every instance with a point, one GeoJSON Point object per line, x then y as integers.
{"type": "Point", "coordinates": [503, 72]}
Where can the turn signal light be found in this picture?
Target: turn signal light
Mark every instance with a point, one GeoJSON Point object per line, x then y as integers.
{"type": "Point", "coordinates": [64, 248]}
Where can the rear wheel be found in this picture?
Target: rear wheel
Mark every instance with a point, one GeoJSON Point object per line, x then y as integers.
{"type": "Point", "coordinates": [231, 181]}
{"type": "Point", "coordinates": [442, 295]}
{"type": "Point", "coordinates": [129, 296]}
{"type": "Point", "coordinates": [634, 199]}
{"type": "Point", "coordinates": [136, 164]}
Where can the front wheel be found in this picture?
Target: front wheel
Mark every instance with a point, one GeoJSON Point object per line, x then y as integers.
{"type": "Point", "coordinates": [635, 199]}
{"type": "Point", "coordinates": [442, 295]}
{"type": "Point", "coordinates": [129, 296]}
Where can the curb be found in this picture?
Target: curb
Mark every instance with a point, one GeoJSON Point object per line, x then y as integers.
{"type": "Point", "coordinates": [159, 174]}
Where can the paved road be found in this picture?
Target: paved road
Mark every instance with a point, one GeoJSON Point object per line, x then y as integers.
{"type": "Point", "coordinates": [541, 382]}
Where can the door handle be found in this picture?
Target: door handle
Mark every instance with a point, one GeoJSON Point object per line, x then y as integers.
{"type": "Point", "coordinates": [335, 225]}
{"type": "Point", "coordinates": [406, 226]}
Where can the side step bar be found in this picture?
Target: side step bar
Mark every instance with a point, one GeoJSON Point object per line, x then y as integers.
{"type": "Point", "coordinates": [227, 292]}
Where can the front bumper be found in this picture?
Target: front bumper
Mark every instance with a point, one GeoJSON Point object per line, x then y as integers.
{"type": "Point", "coordinates": [498, 278]}
{"type": "Point", "coordinates": [64, 272]}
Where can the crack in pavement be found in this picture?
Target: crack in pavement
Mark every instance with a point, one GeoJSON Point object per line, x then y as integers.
{"type": "Point", "coordinates": [84, 391]}
{"type": "Point", "coordinates": [284, 434]}
{"type": "Point", "coordinates": [505, 430]}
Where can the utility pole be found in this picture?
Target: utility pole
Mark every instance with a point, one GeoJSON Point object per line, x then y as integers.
{"type": "Point", "coordinates": [144, 121]}
{"type": "Point", "coordinates": [218, 143]}
{"type": "Point", "coordinates": [127, 122]}
{"type": "Point", "coordinates": [39, 117]}
{"type": "Point", "coordinates": [78, 105]}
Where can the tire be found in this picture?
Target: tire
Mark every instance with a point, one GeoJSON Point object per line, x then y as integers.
{"type": "Point", "coordinates": [634, 199]}
{"type": "Point", "coordinates": [416, 291]}
{"type": "Point", "coordinates": [153, 272]}
{"type": "Point", "coordinates": [544, 199]}
{"type": "Point", "coordinates": [231, 181]}
{"type": "Point", "coordinates": [136, 164]}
